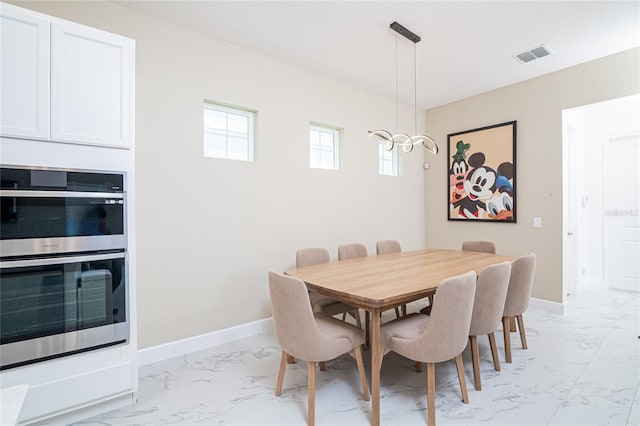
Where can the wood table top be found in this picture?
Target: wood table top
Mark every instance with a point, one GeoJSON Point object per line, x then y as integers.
{"type": "Point", "coordinates": [388, 280]}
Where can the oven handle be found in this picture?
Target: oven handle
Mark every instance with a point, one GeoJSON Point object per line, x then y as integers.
{"type": "Point", "coordinates": [59, 260]}
{"type": "Point", "coordinates": [59, 194]}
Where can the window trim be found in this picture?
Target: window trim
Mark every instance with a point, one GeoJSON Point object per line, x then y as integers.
{"type": "Point", "coordinates": [250, 114]}
{"type": "Point", "coordinates": [394, 161]}
{"type": "Point", "coordinates": [337, 144]}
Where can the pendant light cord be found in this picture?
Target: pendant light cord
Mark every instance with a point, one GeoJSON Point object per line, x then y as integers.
{"type": "Point", "coordinates": [415, 93]}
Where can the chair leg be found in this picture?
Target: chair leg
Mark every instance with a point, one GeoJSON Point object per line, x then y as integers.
{"type": "Point", "coordinates": [523, 336]}
{"type": "Point", "coordinates": [283, 365]}
{"type": "Point", "coordinates": [507, 339]}
{"type": "Point", "coordinates": [397, 312]}
{"type": "Point", "coordinates": [311, 413]}
{"type": "Point", "coordinates": [431, 394]}
{"type": "Point", "coordinates": [404, 310]}
{"type": "Point", "coordinates": [291, 359]}
{"type": "Point", "coordinates": [475, 359]}
{"type": "Point", "coordinates": [430, 297]}
{"type": "Point", "coordinates": [323, 366]}
{"type": "Point", "coordinates": [494, 351]}
{"type": "Point", "coordinates": [344, 316]}
{"type": "Point", "coordinates": [461, 379]}
{"type": "Point", "coordinates": [363, 378]}
{"type": "Point", "coordinates": [418, 367]}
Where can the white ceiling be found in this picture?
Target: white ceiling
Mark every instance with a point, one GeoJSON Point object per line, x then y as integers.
{"type": "Point", "coordinates": [467, 48]}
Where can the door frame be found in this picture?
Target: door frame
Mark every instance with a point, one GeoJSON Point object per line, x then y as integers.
{"type": "Point", "coordinates": [570, 250]}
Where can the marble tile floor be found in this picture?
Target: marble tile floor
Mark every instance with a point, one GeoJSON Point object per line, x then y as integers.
{"type": "Point", "coordinates": [581, 368]}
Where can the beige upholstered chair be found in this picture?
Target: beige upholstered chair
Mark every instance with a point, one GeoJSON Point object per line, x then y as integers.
{"type": "Point", "coordinates": [388, 246]}
{"type": "Point", "coordinates": [320, 302]}
{"type": "Point", "coordinates": [308, 336]}
{"type": "Point", "coordinates": [391, 246]}
{"type": "Point", "coordinates": [439, 337]}
{"type": "Point", "coordinates": [488, 305]}
{"type": "Point", "coordinates": [351, 251]}
{"type": "Point", "coordinates": [482, 246]}
{"type": "Point", "coordinates": [520, 284]}
{"type": "Point", "coordinates": [312, 256]}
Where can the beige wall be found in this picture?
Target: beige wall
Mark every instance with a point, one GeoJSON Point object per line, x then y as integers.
{"type": "Point", "coordinates": [537, 105]}
{"type": "Point", "coordinates": [208, 230]}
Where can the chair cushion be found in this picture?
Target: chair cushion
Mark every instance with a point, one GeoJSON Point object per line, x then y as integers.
{"type": "Point", "coordinates": [335, 329]}
{"type": "Point", "coordinates": [408, 328]}
{"type": "Point", "coordinates": [340, 338]}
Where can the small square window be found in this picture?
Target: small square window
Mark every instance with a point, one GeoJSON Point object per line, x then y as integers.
{"type": "Point", "coordinates": [228, 132]}
{"type": "Point", "coordinates": [324, 147]}
{"type": "Point", "coordinates": [387, 161]}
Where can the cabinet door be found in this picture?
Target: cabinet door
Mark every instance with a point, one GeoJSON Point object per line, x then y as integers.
{"type": "Point", "coordinates": [91, 86]}
{"type": "Point", "coordinates": [24, 73]}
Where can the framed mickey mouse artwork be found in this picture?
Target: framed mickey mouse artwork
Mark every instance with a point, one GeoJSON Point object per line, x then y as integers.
{"type": "Point", "coordinates": [482, 174]}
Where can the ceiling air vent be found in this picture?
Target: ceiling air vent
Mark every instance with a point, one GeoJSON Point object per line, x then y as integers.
{"type": "Point", "coordinates": [533, 54]}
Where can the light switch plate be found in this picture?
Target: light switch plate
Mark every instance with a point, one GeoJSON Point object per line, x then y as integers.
{"type": "Point", "coordinates": [537, 222]}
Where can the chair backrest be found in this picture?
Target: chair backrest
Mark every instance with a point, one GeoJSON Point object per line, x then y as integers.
{"type": "Point", "coordinates": [293, 318]}
{"type": "Point", "coordinates": [447, 331]}
{"type": "Point", "coordinates": [388, 246]}
{"type": "Point", "coordinates": [491, 293]}
{"type": "Point", "coordinates": [311, 256]}
{"type": "Point", "coordinates": [481, 246]}
{"type": "Point", "coordinates": [520, 284]}
{"type": "Point", "coordinates": [351, 251]}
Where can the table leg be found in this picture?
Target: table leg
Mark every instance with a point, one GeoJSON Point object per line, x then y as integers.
{"type": "Point", "coordinates": [376, 364]}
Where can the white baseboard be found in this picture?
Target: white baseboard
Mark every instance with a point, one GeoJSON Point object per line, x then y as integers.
{"type": "Point", "coordinates": [204, 341]}
{"type": "Point", "coordinates": [219, 337]}
{"type": "Point", "coordinates": [553, 307]}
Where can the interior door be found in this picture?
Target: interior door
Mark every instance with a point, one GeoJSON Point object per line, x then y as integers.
{"type": "Point", "coordinates": [621, 212]}
{"type": "Point", "coordinates": [573, 250]}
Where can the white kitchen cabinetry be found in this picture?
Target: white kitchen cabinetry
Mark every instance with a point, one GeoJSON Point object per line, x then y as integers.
{"type": "Point", "coordinates": [67, 96]}
{"type": "Point", "coordinates": [90, 98]}
{"type": "Point", "coordinates": [90, 86]}
{"type": "Point", "coordinates": [24, 73]}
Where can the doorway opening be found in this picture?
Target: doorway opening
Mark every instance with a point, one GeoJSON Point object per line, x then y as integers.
{"type": "Point", "coordinates": [601, 163]}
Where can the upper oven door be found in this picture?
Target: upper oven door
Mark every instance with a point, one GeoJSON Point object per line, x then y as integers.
{"type": "Point", "coordinates": [44, 222]}
{"type": "Point", "coordinates": [50, 211]}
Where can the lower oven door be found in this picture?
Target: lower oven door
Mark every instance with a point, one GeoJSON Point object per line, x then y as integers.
{"type": "Point", "coordinates": [61, 305]}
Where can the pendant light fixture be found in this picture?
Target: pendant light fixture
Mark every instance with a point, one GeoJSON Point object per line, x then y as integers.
{"type": "Point", "coordinates": [402, 139]}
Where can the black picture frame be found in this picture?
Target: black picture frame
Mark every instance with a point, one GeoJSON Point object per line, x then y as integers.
{"type": "Point", "coordinates": [481, 178]}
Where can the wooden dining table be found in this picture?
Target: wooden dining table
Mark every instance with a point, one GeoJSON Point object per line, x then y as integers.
{"type": "Point", "coordinates": [378, 283]}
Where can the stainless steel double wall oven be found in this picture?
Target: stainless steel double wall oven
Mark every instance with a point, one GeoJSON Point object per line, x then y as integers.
{"type": "Point", "coordinates": [63, 263]}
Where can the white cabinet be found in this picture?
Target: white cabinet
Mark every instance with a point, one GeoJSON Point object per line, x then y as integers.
{"type": "Point", "coordinates": [24, 73]}
{"type": "Point", "coordinates": [90, 96]}
{"type": "Point", "coordinates": [90, 86]}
